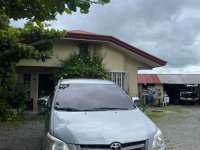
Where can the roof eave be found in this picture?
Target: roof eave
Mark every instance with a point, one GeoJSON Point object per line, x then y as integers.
{"type": "Point", "coordinates": [158, 62]}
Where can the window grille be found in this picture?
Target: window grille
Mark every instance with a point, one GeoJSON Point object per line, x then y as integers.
{"type": "Point", "coordinates": [118, 78]}
{"type": "Point", "coordinates": [27, 81]}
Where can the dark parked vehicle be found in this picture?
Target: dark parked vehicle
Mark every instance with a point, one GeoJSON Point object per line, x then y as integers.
{"type": "Point", "coordinates": [189, 96]}
{"type": "Point", "coordinates": [96, 115]}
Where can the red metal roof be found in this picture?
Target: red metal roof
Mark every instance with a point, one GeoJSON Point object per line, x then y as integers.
{"type": "Point", "coordinates": [79, 34]}
{"type": "Point", "coordinates": [148, 78]}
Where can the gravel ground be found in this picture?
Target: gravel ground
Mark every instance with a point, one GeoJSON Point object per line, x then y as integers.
{"type": "Point", "coordinates": [21, 136]}
{"type": "Point", "coordinates": [181, 131]}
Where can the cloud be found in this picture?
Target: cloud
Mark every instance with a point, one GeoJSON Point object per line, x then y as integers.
{"type": "Point", "coordinates": [166, 29]}
{"type": "Point", "coordinates": [190, 69]}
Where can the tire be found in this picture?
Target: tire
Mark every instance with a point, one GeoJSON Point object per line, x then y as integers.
{"type": "Point", "coordinates": [181, 102]}
{"type": "Point", "coordinates": [192, 103]}
{"type": "Point", "coordinates": [176, 102]}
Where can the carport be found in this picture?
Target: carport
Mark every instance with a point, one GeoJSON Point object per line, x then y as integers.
{"type": "Point", "coordinates": [173, 84]}
{"type": "Point", "coordinates": [169, 84]}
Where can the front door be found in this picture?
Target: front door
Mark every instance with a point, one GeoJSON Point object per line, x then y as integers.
{"type": "Point", "coordinates": [46, 85]}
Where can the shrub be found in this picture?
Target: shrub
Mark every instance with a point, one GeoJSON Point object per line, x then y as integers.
{"type": "Point", "coordinates": [15, 95]}
{"type": "Point", "coordinates": [82, 65]}
{"type": "Point", "coordinates": [6, 111]}
{"type": "Point", "coordinates": [18, 114]}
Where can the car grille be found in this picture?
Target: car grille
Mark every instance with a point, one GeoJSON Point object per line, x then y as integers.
{"type": "Point", "coordinates": [125, 146]}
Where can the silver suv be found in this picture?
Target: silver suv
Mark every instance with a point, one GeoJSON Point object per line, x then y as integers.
{"type": "Point", "coordinates": [86, 114]}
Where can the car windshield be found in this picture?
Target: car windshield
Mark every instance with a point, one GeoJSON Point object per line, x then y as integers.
{"type": "Point", "coordinates": [190, 95]}
{"type": "Point", "coordinates": [91, 97]}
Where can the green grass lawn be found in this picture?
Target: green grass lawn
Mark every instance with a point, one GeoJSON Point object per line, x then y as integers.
{"type": "Point", "coordinates": [156, 113]}
{"type": "Point", "coordinates": [22, 120]}
{"type": "Point", "coordinates": [176, 108]}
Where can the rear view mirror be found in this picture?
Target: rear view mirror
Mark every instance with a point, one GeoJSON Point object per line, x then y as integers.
{"type": "Point", "coordinates": [43, 101]}
{"type": "Point", "coordinates": [136, 101]}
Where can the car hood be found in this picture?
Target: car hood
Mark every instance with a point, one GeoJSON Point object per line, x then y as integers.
{"type": "Point", "coordinates": [102, 127]}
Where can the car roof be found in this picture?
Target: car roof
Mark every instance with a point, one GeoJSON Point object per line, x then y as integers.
{"type": "Point", "coordinates": [86, 81]}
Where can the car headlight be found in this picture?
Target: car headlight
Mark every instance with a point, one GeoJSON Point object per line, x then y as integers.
{"type": "Point", "coordinates": [158, 141]}
{"type": "Point", "coordinates": [55, 144]}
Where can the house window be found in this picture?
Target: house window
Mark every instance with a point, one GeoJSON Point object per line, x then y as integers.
{"type": "Point", "coordinates": [119, 78]}
{"type": "Point", "coordinates": [27, 82]}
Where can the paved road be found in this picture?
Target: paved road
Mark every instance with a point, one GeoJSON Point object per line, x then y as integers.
{"type": "Point", "coordinates": [181, 129]}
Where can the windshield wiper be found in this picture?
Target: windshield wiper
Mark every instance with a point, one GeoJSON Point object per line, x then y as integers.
{"type": "Point", "coordinates": [66, 109]}
{"type": "Point", "coordinates": [93, 109]}
{"type": "Point", "coordinates": [109, 108]}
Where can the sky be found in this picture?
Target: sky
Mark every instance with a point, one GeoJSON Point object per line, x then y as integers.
{"type": "Point", "coordinates": [167, 29]}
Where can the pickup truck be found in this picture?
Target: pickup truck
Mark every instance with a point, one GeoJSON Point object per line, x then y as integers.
{"type": "Point", "coordinates": [189, 96]}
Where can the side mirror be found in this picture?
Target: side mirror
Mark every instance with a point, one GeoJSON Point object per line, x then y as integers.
{"type": "Point", "coordinates": [136, 101]}
{"type": "Point", "coordinates": [43, 101]}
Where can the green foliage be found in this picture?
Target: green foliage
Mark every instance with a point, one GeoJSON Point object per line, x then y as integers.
{"type": "Point", "coordinates": [17, 115]}
{"type": "Point", "coordinates": [41, 10]}
{"type": "Point", "coordinates": [12, 100]}
{"type": "Point", "coordinates": [142, 105]}
{"type": "Point", "coordinates": [13, 47]}
{"type": "Point", "coordinates": [40, 31]}
{"type": "Point", "coordinates": [6, 111]}
{"type": "Point", "coordinates": [15, 95]}
{"type": "Point", "coordinates": [155, 115]}
{"type": "Point", "coordinates": [82, 65]}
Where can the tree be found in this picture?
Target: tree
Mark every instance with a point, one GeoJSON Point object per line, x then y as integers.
{"type": "Point", "coordinates": [82, 65]}
{"type": "Point", "coordinates": [43, 10]}
{"type": "Point", "coordinates": [22, 43]}
{"type": "Point", "coordinates": [15, 45]}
